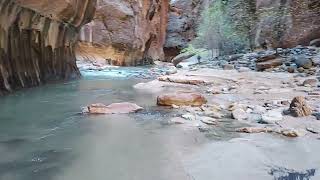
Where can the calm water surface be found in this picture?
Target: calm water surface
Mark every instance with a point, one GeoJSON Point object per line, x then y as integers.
{"type": "Point", "coordinates": [43, 137]}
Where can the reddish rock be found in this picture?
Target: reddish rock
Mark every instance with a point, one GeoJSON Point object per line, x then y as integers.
{"type": "Point", "coordinates": [181, 99]}
{"type": "Point", "coordinates": [37, 39]}
{"type": "Point", "coordinates": [116, 108]}
{"type": "Point", "coordinates": [255, 130]}
{"type": "Point", "coordinates": [261, 66]}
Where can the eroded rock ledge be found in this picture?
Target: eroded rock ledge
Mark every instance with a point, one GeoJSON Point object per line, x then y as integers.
{"type": "Point", "coordinates": [37, 40]}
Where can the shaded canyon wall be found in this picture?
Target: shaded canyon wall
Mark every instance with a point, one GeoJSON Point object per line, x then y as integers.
{"type": "Point", "coordinates": [268, 23]}
{"type": "Point", "coordinates": [125, 32]}
{"type": "Point", "coordinates": [37, 40]}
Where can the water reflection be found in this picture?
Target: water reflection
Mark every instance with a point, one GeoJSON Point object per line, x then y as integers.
{"type": "Point", "coordinates": [289, 174]}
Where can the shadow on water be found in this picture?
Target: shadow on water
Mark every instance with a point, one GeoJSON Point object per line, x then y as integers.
{"type": "Point", "coordinates": [289, 174]}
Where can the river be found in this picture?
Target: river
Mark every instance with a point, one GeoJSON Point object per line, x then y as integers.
{"type": "Point", "coordinates": [43, 136]}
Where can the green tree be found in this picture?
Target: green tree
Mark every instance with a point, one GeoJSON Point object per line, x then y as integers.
{"type": "Point", "coordinates": [218, 33]}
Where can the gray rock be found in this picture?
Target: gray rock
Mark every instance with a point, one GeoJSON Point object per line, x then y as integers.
{"type": "Point", "coordinates": [239, 114]}
{"type": "Point", "coordinates": [302, 61]}
{"type": "Point", "coordinates": [272, 116]}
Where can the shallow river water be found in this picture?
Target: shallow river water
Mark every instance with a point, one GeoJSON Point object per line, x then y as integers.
{"type": "Point", "coordinates": [43, 136]}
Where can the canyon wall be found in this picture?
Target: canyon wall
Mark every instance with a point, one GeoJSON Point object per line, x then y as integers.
{"type": "Point", "coordinates": [37, 40]}
{"type": "Point", "coordinates": [125, 32]}
{"type": "Point", "coordinates": [268, 23]}
{"type": "Point", "coordinates": [184, 17]}
{"type": "Point", "coordinates": [287, 23]}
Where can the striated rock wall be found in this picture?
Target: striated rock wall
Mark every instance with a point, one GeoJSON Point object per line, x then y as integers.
{"type": "Point", "coordinates": [125, 32]}
{"type": "Point", "coordinates": [37, 40]}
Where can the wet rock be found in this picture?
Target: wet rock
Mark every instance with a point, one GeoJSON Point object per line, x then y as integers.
{"type": "Point", "coordinates": [261, 66]}
{"type": "Point", "coordinates": [115, 108]}
{"type": "Point", "coordinates": [272, 116]}
{"type": "Point", "coordinates": [177, 120]}
{"type": "Point", "coordinates": [228, 67]}
{"type": "Point", "coordinates": [208, 120]}
{"type": "Point", "coordinates": [254, 130]}
{"type": "Point", "coordinates": [290, 69]}
{"type": "Point", "coordinates": [299, 107]}
{"type": "Point", "coordinates": [301, 70]}
{"type": "Point", "coordinates": [182, 80]}
{"type": "Point", "coordinates": [171, 71]}
{"type": "Point", "coordinates": [292, 133]}
{"type": "Point", "coordinates": [178, 59]}
{"type": "Point", "coordinates": [181, 99]}
{"type": "Point", "coordinates": [189, 117]}
{"type": "Point", "coordinates": [310, 82]}
{"type": "Point", "coordinates": [303, 61]}
{"type": "Point", "coordinates": [239, 114]}
{"type": "Point", "coordinates": [317, 115]}
{"type": "Point", "coordinates": [244, 69]}
{"type": "Point", "coordinates": [266, 57]}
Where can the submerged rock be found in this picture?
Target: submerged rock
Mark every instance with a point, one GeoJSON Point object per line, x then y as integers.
{"type": "Point", "coordinates": [272, 116]}
{"type": "Point", "coordinates": [208, 120]}
{"type": "Point", "coordinates": [239, 114]}
{"type": "Point", "coordinates": [310, 82]}
{"type": "Point", "coordinates": [115, 108]}
{"type": "Point", "coordinates": [181, 99]}
{"type": "Point", "coordinates": [299, 107]}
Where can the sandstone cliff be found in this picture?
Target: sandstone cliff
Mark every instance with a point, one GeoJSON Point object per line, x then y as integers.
{"type": "Point", "coordinates": [37, 40]}
{"type": "Point", "coordinates": [268, 23]}
{"type": "Point", "coordinates": [125, 32]}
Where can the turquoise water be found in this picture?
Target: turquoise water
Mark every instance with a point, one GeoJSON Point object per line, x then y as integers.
{"type": "Point", "coordinates": [43, 136]}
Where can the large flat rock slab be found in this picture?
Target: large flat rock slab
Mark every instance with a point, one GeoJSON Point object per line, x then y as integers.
{"type": "Point", "coordinates": [115, 108]}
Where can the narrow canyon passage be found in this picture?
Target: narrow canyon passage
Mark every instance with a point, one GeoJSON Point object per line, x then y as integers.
{"type": "Point", "coordinates": [159, 89]}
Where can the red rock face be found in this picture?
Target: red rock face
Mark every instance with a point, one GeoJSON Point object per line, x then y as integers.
{"type": "Point", "coordinates": [287, 23]}
{"type": "Point", "coordinates": [126, 32]}
{"type": "Point", "coordinates": [37, 39]}
{"type": "Point", "coordinates": [184, 16]}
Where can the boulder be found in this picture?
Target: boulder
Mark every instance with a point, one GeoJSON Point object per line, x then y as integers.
{"type": "Point", "coordinates": [310, 82]}
{"type": "Point", "coordinates": [115, 108]}
{"type": "Point", "coordinates": [303, 61]}
{"type": "Point", "coordinates": [178, 59]}
{"type": "Point", "coordinates": [299, 107]}
{"type": "Point", "coordinates": [181, 99]}
{"type": "Point", "coordinates": [292, 133]}
{"type": "Point", "coordinates": [228, 67]}
{"type": "Point", "coordinates": [239, 114]}
{"type": "Point", "coordinates": [272, 116]}
{"type": "Point", "coordinates": [261, 66]}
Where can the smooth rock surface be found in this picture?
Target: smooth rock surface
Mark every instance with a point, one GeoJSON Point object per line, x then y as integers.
{"type": "Point", "coordinates": [115, 108]}
{"type": "Point", "coordinates": [181, 99]}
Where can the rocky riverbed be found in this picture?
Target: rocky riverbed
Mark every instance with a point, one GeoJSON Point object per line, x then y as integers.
{"type": "Point", "coordinates": [254, 89]}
